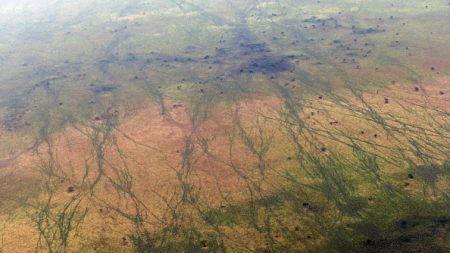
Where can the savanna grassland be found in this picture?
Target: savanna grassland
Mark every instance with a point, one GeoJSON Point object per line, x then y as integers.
{"type": "Point", "coordinates": [225, 126]}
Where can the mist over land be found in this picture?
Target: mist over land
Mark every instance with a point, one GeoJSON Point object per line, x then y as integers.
{"type": "Point", "coordinates": [224, 126]}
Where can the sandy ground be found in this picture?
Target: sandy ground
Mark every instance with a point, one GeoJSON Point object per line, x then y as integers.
{"type": "Point", "coordinates": [154, 148]}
